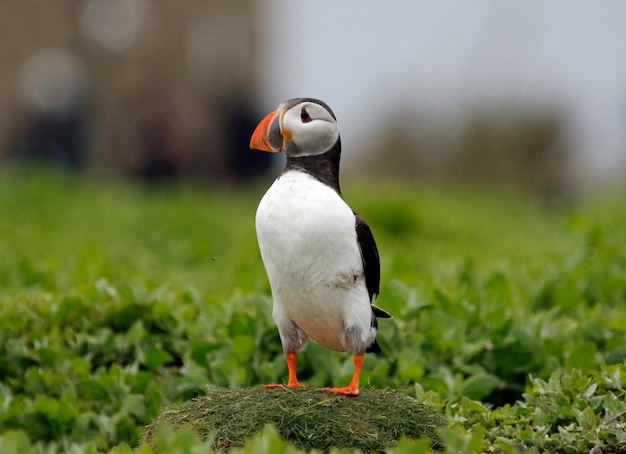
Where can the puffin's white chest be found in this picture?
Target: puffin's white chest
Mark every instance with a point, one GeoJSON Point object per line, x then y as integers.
{"type": "Point", "coordinates": [309, 247]}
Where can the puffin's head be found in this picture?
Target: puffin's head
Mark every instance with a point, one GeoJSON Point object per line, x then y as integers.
{"type": "Point", "coordinates": [299, 127]}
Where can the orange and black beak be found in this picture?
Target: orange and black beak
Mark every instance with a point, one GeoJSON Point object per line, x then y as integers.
{"type": "Point", "coordinates": [268, 135]}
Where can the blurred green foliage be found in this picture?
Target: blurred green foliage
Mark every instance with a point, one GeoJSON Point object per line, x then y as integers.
{"type": "Point", "coordinates": [119, 299]}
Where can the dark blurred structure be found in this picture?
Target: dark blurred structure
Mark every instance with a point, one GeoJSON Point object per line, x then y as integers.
{"type": "Point", "coordinates": [52, 92]}
{"type": "Point", "coordinates": [239, 121]}
{"type": "Point", "coordinates": [150, 88]}
{"type": "Point", "coordinates": [517, 147]}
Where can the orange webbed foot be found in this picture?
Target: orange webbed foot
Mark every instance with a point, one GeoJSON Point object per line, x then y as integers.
{"type": "Point", "coordinates": [293, 381]}
{"type": "Point", "coordinates": [352, 389]}
{"type": "Point", "coordinates": [288, 385]}
{"type": "Point", "coordinates": [349, 391]}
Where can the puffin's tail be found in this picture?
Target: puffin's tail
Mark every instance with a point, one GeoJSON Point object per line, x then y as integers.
{"type": "Point", "coordinates": [377, 312]}
{"type": "Point", "coordinates": [374, 348]}
{"type": "Point", "coordinates": [380, 313]}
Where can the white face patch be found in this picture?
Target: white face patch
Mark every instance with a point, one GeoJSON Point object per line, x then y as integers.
{"type": "Point", "coordinates": [308, 130]}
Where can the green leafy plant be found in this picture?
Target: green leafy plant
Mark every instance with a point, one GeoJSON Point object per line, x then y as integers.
{"type": "Point", "coordinates": [117, 301]}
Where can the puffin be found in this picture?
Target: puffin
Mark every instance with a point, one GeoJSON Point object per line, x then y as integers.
{"type": "Point", "coordinates": [320, 256]}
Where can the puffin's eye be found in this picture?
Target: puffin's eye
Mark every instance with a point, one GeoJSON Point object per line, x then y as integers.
{"type": "Point", "coordinates": [304, 115]}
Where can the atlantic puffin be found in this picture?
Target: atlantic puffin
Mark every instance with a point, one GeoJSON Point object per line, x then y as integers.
{"type": "Point", "coordinates": [320, 256]}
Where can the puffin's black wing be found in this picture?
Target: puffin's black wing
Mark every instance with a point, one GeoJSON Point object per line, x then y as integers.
{"type": "Point", "coordinates": [369, 254]}
{"type": "Point", "coordinates": [371, 266]}
{"type": "Point", "coordinates": [371, 263]}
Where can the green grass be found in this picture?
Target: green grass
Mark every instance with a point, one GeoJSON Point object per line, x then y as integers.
{"type": "Point", "coordinates": [118, 300]}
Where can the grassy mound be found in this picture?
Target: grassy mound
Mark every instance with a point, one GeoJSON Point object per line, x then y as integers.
{"type": "Point", "coordinates": [309, 418]}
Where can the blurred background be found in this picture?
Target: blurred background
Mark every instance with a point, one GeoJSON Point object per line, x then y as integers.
{"type": "Point", "coordinates": [528, 94]}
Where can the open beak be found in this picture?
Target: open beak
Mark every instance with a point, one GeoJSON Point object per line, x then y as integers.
{"type": "Point", "coordinates": [268, 136]}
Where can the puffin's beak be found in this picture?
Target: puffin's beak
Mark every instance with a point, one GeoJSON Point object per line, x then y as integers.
{"type": "Point", "coordinates": [267, 136]}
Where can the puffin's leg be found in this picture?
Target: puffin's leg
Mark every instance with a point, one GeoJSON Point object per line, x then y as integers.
{"type": "Point", "coordinates": [293, 382]}
{"type": "Point", "coordinates": [353, 388]}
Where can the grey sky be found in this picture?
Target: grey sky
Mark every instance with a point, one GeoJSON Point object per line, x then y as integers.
{"type": "Point", "coordinates": [365, 57]}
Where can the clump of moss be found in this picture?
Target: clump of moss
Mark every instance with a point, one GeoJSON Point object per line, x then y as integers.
{"type": "Point", "coordinates": [309, 418]}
